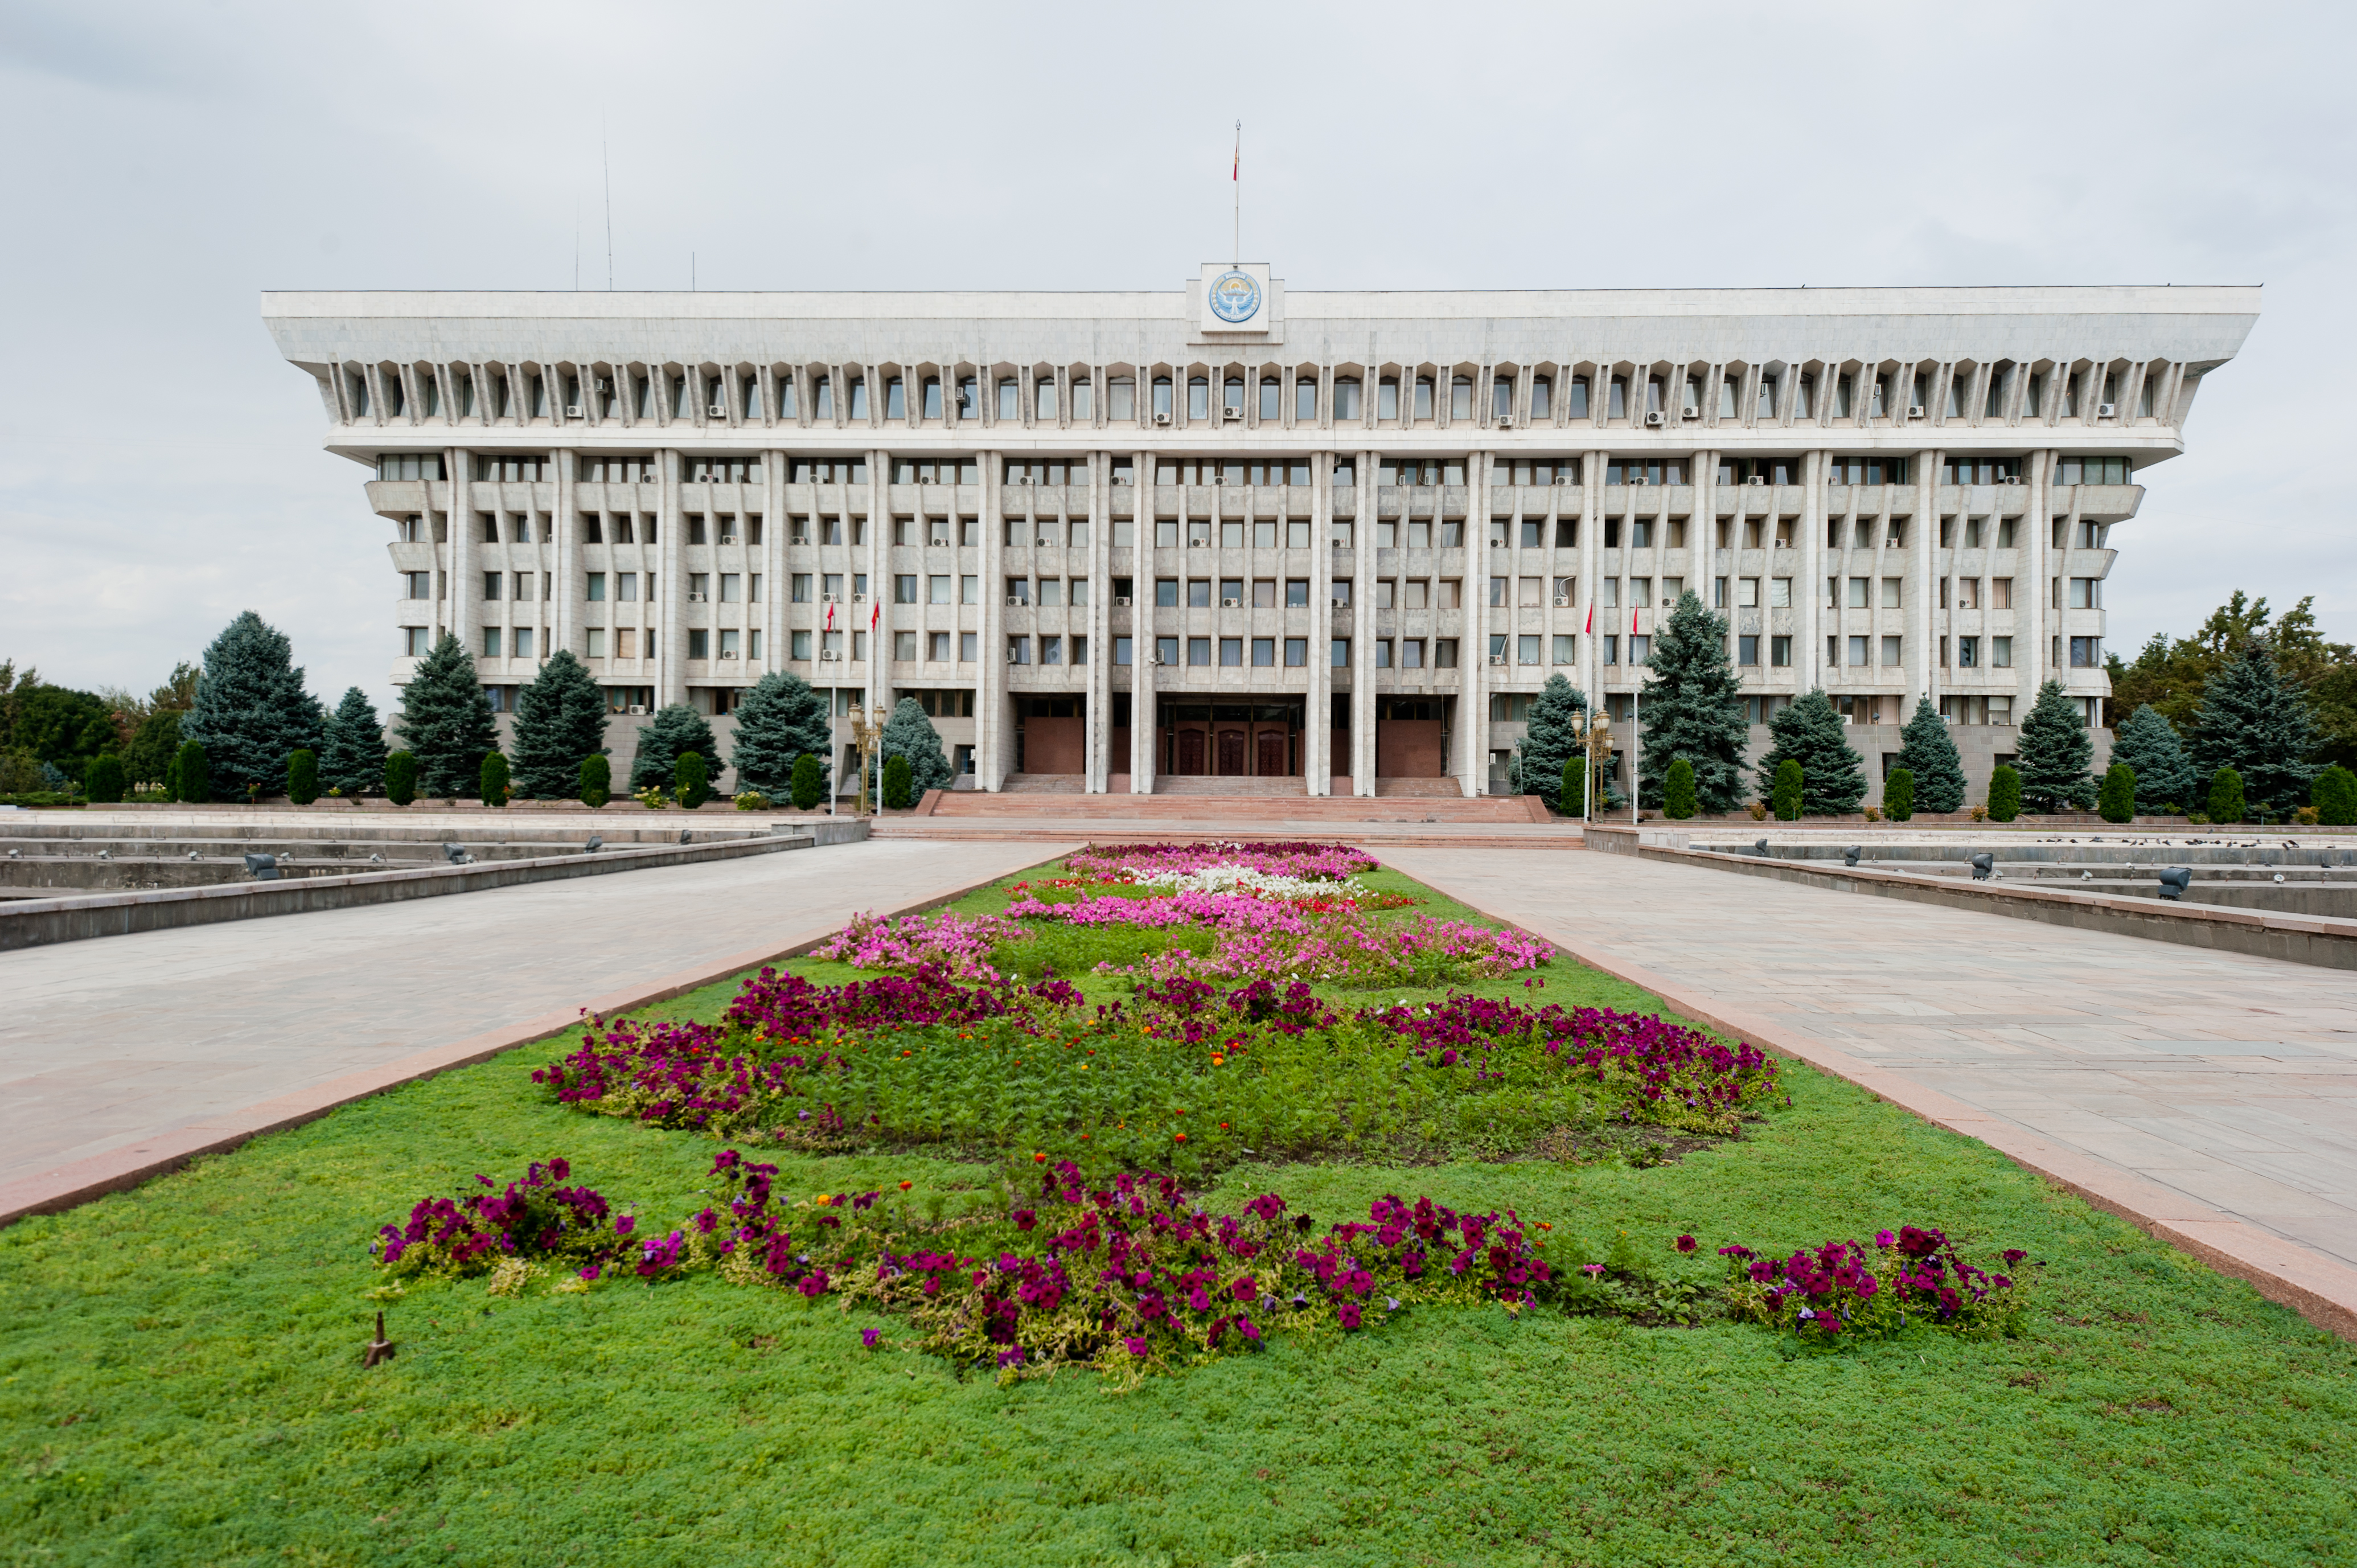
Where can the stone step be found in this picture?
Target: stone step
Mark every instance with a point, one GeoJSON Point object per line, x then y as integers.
{"type": "Point", "coordinates": [1238, 809]}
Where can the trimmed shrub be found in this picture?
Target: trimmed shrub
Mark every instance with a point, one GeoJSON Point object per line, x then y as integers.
{"type": "Point", "coordinates": [2227, 796]}
{"type": "Point", "coordinates": [897, 794]}
{"type": "Point", "coordinates": [1678, 790]}
{"type": "Point", "coordinates": [1898, 795]}
{"type": "Point", "coordinates": [2334, 796]}
{"type": "Point", "coordinates": [1572, 801]}
{"type": "Point", "coordinates": [2005, 794]}
{"type": "Point", "coordinates": [303, 777]}
{"type": "Point", "coordinates": [690, 781]}
{"type": "Point", "coordinates": [102, 782]}
{"type": "Point", "coordinates": [809, 781]}
{"type": "Point", "coordinates": [596, 779]}
{"type": "Point", "coordinates": [493, 781]}
{"type": "Point", "coordinates": [1787, 790]}
{"type": "Point", "coordinates": [192, 778]}
{"type": "Point", "coordinates": [400, 777]}
{"type": "Point", "coordinates": [2117, 801]}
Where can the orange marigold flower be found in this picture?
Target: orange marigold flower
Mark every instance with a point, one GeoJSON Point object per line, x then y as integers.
{"type": "Point", "coordinates": [1038, 1156]}
{"type": "Point", "coordinates": [1182, 1137]}
{"type": "Point", "coordinates": [907, 1185]}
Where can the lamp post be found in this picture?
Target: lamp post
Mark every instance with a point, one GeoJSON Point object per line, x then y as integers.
{"type": "Point", "coordinates": [1598, 749]}
{"type": "Point", "coordinates": [866, 731]}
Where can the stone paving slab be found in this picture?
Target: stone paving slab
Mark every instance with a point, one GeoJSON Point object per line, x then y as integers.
{"type": "Point", "coordinates": [2210, 1097]}
{"type": "Point", "coordinates": [163, 1039]}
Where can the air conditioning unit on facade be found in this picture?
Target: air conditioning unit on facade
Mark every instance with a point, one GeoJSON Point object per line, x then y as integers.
{"type": "Point", "coordinates": [859, 598]}
{"type": "Point", "coordinates": [1757, 480]}
{"type": "Point", "coordinates": [1157, 661]}
{"type": "Point", "coordinates": [1563, 478]}
{"type": "Point", "coordinates": [1234, 416]}
{"type": "Point", "coordinates": [1161, 419]}
{"type": "Point", "coordinates": [1016, 601]}
{"type": "Point", "coordinates": [1014, 656]}
{"type": "Point", "coordinates": [638, 707]}
{"type": "Point", "coordinates": [2010, 480]}
{"type": "Point", "coordinates": [802, 539]}
{"type": "Point", "coordinates": [828, 656]}
{"type": "Point", "coordinates": [1562, 601]}
{"type": "Point", "coordinates": [1505, 421]}
{"type": "Point", "coordinates": [2107, 410]}
{"type": "Point", "coordinates": [1342, 603]}
{"type": "Point", "coordinates": [1914, 411]}
{"type": "Point", "coordinates": [1231, 604]}
{"type": "Point", "coordinates": [573, 411]}
{"type": "Point", "coordinates": [699, 598]}
{"type": "Point", "coordinates": [1653, 420]}
{"type": "Point", "coordinates": [717, 411]}
{"type": "Point", "coordinates": [1121, 601]}
{"type": "Point", "coordinates": [1198, 543]}
{"type": "Point", "coordinates": [828, 599]}
{"type": "Point", "coordinates": [725, 654]}
{"type": "Point", "coordinates": [728, 539]}
{"type": "Point", "coordinates": [1496, 659]}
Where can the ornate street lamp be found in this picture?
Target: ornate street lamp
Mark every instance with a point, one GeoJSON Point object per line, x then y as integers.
{"type": "Point", "coordinates": [1598, 748]}
{"type": "Point", "coordinates": [866, 733]}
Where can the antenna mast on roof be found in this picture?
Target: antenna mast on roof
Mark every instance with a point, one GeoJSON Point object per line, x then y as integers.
{"type": "Point", "coordinates": [607, 159]}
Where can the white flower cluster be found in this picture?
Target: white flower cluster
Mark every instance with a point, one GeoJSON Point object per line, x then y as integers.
{"type": "Point", "coordinates": [1244, 879]}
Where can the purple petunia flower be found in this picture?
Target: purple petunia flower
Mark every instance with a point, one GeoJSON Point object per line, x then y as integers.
{"type": "Point", "coordinates": [1134, 1345]}
{"type": "Point", "coordinates": [591, 1273]}
{"type": "Point", "coordinates": [1391, 1303]}
{"type": "Point", "coordinates": [626, 1224]}
{"type": "Point", "coordinates": [1011, 1356]}
{"type": "Point", "coordinates": [1687, 1243]}
{"type": "Point", "coordinates": [1349, 1314]}
{"type": "Point", "coordinates": [870, 1338]}
{"type": "Point", "coordinates": [1884, 1238]}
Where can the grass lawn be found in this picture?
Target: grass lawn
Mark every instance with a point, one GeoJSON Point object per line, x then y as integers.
{"type": "Point", "coordinates": [181, 1380]}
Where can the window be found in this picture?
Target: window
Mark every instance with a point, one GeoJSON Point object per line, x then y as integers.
{"type": "Point", "coordinates": [1018, 650]}
{"type": "Point", "coordinates": [2086, 653]}
{"type": "Point", "coordinates": [1120, 399]}
{"type": "Point", "coordinates": [1869, 469]}
{"type": "Point", "coordinates": [1263, 593]}
{"type": "Point", "coordinates": [969, 590]}
{"type": "Point", "coordinates": [1780, 653]}
{"type": "Point", "coordinates": [414, 642]}
{"type": "Point", "coordinates": [1296, 652]}
{"type": "Point", "coordinates": [2083, 595]}
{"type": "Point", "coordinates": [1411, 653]}
{"type": "Point", "coordinates": [1747, 593]}
{"type": "Point", "coordinates": [1264, 652]}
{"type": "Point", "coordinates": [1231, 652]}
{"type": "Point", "coordinates": [1018, 591]}
{"type": "Point", "coordinates": [904, 588]}
{"type": "Point", "coordinates": [699, 644]}
{"type": "Point", "coordinates": [1010, 410]}
{"type": "Point", "coordinates": [1859, 593]}
{"type": "Point", "coordinates": [798, 587]}
{"type": "Point", "coordinates": [1859, 651]}
{"type": "Point", "coordinates": [1894, 650]}
{"type": "Point", "coordinates": [1890, 590]}
{"type": "Point", "coordinates": [1051, 592]}
{"type": "Point", "coordinates": [1968, 592]}
{"type": "Point", "coordinates": [1166, 592]}
{"type": "Point", "coordinates": [1387, 398]}
{"type": "Point", "coordinates": [799, 646]}
{"type": "Point", "coordinates": [1083, 401]}
{"type": "Point", "coordinates": [2000, 654]}
{"type": "Point", "coordinates": [1542, 395]}
{"type": "Point", "coordinates": [1051, 650]}
{"type": "Point", "coordinates": [1566, 649]}
{"type": "Point", "coordinates": [1166, 650]}
{"type": "Point", "coordinates": [1968, 652]}
{"type": "Point", "coordinates": [969, 647]}
{"type": "Point", "coordinates": [491, 643]}
{"type": "Point", "coordinates": [1043, 400]}
{"type": "Point", "coordinates": [937, 647]}
{"type": "Point", "coordinates": [1199, 650]}
{"type": "Point", "coordinates": [1346, 398]}
{"type": "Point", "coordinates": [1199, 397]}
{"type": "Point", "coordinates": [1460, 397]}
{"type": "Point", "coordinates": [1526, 650]}
{"type": "Point", "coordinates": [1305, 400]}
{"type": "Point", "coordinates": [1122, 650]}
{"type": "Point", "coordinates": [1443, 653]}
{"type": "Point", "coordinates": [1498, 592]}
{"type": "Point", "coordinates": [2000, 592]}
{"type": "Point", "coordinates": [1340, 652]}
{"type": "Point", "coordinates": [937, 589]}
{"type": "Point", "coordinates": [731, 588]}
{"type": "Point", "coordinates": [1383, 654]}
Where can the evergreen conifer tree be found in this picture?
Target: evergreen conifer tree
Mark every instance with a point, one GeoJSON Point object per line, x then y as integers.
{"type": "Point", "coordinates": [2258, 724]}
{"type": "Point", "coordinates": [1692, 707]}
{"type": "Point", "coordinates": [446, 721]}
{"type": "Point", "coordinates": [302, 779]}
{"type": "Point", "coordinates": [2117, 800]}
{"type": "Point", "coordinates": [1678, 790]}
{"type": "Point", "coordinates": [1572, 799]}
{"type": "Point", "coordinates": [909, 735]}
{"type": "Point", "coordinates": [1808, 731]}
{"type": "Point", "coordinates": [596, 780]}
{"type": "Point", "coordinates": [1786, 792]}
{"type": "Point", "coordinates": [673, 730]}
{"type": "Point", "coordinates": [1554, 735]}
{"type": "Point", "coordinates": [351, 755]}
{"type": "Point", "coordinates": [2334, 796]}
{"type": "Point", "coordinates": [691, 780]}
{"type": "Point", "coordinates": [898, 794]}
{"type": "Point", "coordinates": [781, 719]}
{"type": "Point", "coordinates": [251, 711]}
{"type": "Point", "coordinates": [2227, 796]}
{"type": "Point", "coordinates": [1898, 795]}
{"type": "Point", "coordinates": [400, 777]}
{"type": "Point", "coordinates": [2005, 793]}
{"type": "Point", "coordinates": [2148, 745]}
{"type": "Point", "coordinates": [1928, 752]}
{"type": "Point", "coordinates": [560, 719]}
{"type": "Point", "coordinates": [2055, 752]}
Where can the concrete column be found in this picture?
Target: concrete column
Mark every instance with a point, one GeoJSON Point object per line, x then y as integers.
{"type": "Point", "coordinates": [1317, 718]}
{"type": "Point", "coordinates": [771, 556]}
{"type": "Point", "coordinates": [670, 608]}
{"type": "Point", "coordinates": [464, 610]}
{"type": "Point", "coordinates": [1362, 619]}
{"type": "Point", "coordinates": [1099, 682]}
{"type": "Point", "coordinates": [880, 568]}
{"type": "Point", "coordinates": [2035, 624]}
{"type": "Point", "coordinates": [557, 613]}
{"type": "Point", "coordinates": [444, 603]}
{"type": "Point", "coordinates": [1143, 680]}
{"type": "Point", "coordinates": [1809, 669]}
{"type": "Point", "coordinates": [992, 717]}
{"type": "Point", "coordinates": [1471, 763]}
{"type": "Point", "coordinates": [1922, 629]}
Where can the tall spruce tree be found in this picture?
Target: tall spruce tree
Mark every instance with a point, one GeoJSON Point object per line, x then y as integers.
{"type": "Point", "coordinates": [781, 718]}
{"type": "Point", "coordinates": [673, 730]}
{"type": "Point", "coordinates": [910, 734]}
{"type": "Point", "coordinates": [560, 719]}
{"type": "Point", "coordinates": [2147, 744]}
{"type": "Point", "coordinates": [1808, 731]}
{"type": "Point", "coordinates": [446, 721]}
{"type": "Point", "coordinates": [1928, 751]}
{"type": "Point", "coordinates": [1557, 733]}
{"type": "Point", "coordinates": [1692, 707]}
{"type": "Point", "coordinates": [2256, 723]}
{"type": "Point", "coordinates": [2056, 750]}
{"type": "Point", "coordinates": [251, 710]}
{"type": "Point", "coordinates": [352, 753]}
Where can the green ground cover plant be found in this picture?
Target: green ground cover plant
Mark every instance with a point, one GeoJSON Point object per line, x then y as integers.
{"type": "Point", "coordinates": [182, 1378]}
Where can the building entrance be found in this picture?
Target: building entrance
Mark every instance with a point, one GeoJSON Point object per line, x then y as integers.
{"type": "Point", "coordinates": [1229, 739]}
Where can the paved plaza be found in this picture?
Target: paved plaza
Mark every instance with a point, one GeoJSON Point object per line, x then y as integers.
{"type": "Point", "coordinates": [107, 1042]}
{"type": "Point", "coordinates": [2231, 1080]}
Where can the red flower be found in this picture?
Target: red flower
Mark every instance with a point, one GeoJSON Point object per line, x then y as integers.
{"type": "Point", "coordinates": [1687, 1243]}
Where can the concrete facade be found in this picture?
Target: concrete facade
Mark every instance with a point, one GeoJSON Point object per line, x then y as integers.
{"type": "Point", "coordinates": [1345, 513]}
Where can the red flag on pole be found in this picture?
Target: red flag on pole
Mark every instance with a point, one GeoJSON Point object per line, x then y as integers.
{"type": "Point", "coordinates": [875, 614]}
{"type": "Point", "coordinates": [1590, 627]}
{"type": "Point", "coordinates": [830, 616]}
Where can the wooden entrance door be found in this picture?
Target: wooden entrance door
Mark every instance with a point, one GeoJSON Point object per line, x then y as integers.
{"type": "Point", "coordinates": [1271, 760]}
{"type": "Point", "coordinates": [1231, 751]}
{"type": "Point", "coordinates": [1190, 751]}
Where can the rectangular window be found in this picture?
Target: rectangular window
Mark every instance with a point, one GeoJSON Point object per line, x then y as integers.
{"type": "Point", "coordinates": [1641, 650]}
{"type": "Point", "coordinates": [1051, 650]}
{"type": "Point", "coordinates": [1122, 650]}
{"type": "Point", "coordinates": [1231, 652]}
{"type": "Point", "coordinates": [597, 643]}
{"type": "Point", "coordinates": [1968, 652]}
{"type": "Point", "coordinates": [1566, 649]}
{"type": "Point", "coordinates": [1747, 595]}
{"type": "Point", "coordinates": [904, 589]}
{"type": "Point", "coordinates": [731, 588]}
{"type": "Point", "coordinates": [937, 647]}
{"type": "Point", "coordinates": [491, 643]}
{"type": "Point", "coordinates": [626, 587]}
{"type": "Point", "coordinates": [1018, 649]}
{"type": "Point", "coordinates": [2086, 653]}
{"type": "Point", "coordinates": [1199, 652]}
{"type": "Point", "coordinates": [1051, 593]}
{"type": "Point", "coordinates": [970, 590]}
{"type": "Point", "coordinates": [904, 643]}
{"type": "Point", "coordinates": [491, 581]}
{"type": "Point", "coordinates": [969, 647]}
{"type": "Point", "coordinates": [1382, 653]}
{"type": "Point", "coordinates": [799, 646]}
{"type": "Point", "coordinates": [1859, 651]}
{"type": "Point", "coordinates": [1612, 648]}
{"type": "Point", "coordinates": [2083, 592]}
{"type": "Point", "coordinates": [1780, 653]}
{"type": "Point", "coordinates": [2001, 652]}
{"type": "Point", "coordinates": [1890, 593]}
{"type": "Point", "coordinates": [1746, 649]}
{"type": "Point", "coordinates": [1296, 652]}
{"type": "Point", "coordinates": [1497, 592]}
{"type": "Point", "coordinates": [1894, 650]}
{"type": "Point", "coordinates": [1526, 648]}
{"type": "Point", "coordinates": [1860, 590]}
{"type": "Point", "coordinates": [1780, 593]}
{"type": "Point", "coordinates": [1264, 652]}
{"type": "Point", "coordinates": [699, 644]}
{"type": "Point", "coordinates": [1166, 650]}
{"type": "Point", "coordinates": [1611, 586]}
{"type": "Point", "coordinates": [1342, 652]}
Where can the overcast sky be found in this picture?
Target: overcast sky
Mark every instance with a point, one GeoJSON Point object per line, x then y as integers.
{"type": "Point", "coordinates": [160, 466]}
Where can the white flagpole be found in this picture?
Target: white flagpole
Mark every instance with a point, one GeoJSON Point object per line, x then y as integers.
{"type": "Point", "coordinates": [1237, 177]}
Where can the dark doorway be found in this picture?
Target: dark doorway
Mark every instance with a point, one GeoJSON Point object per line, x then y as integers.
{"type": "Point", "coordinates": [1190, 751]}
{"type": "Point", "coordinates": [1232, 752]}
{"type": "Point", "coordinates": [1272, 753]}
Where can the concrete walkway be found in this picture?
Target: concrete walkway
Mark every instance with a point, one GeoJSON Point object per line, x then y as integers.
{"type": "Point", "coordinates": [2228, 1080]}
{"type": "Point", "coordinates": [107, 1043]}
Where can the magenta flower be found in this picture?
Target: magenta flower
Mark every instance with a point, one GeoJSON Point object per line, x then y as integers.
{"type": "Point", "coordinates": [591, 1273]}
{"type": "Point", "coordinates": [1884, 1238]}
{"type": "Point", "coordinates": [1011, 1356]}
{"type": "Point", "coordinates": [1134, 1345]}
{"type": "Point", "coordinates": [626, 1224]}
{"type": "Point", "coordinates": [1687, 1243]}
{"type": "Point", "coordinates": [870, 1338]}
{"type": "Point", "coordinates": [1349, 1314]}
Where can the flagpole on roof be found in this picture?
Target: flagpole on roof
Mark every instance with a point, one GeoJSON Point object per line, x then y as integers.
{"type": "Point", "coordinates": [1236, 178]}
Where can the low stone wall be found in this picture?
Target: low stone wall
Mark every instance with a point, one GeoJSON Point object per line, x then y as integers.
{"type": "Point", "coordinates": [2325, 941]}
{"type": "Point", "coordinates": [38, 922]}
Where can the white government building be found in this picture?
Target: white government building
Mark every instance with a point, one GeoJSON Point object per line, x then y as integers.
{"type": "Point", "coordinates": [1111, 540]}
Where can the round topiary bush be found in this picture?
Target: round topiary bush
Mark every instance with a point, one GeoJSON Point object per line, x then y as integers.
{"type": "Point", "coordinates": [2005, 794]}
{"type": "Point", "coordinates": [400, 777]}
{"type": "Point", "coordinates": [596, 780]}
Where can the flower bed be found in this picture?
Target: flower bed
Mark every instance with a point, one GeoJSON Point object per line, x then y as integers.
{"type": "Point", "coordinates": [1133, 1275]}
{"type": "Point", "coordinates": [1138, 861]}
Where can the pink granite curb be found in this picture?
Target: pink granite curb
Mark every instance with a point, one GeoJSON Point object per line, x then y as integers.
{"type": "Point", "coordinates": [119, 1170]}
{"type": "Point", "coordinates": [2322, 1289]}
